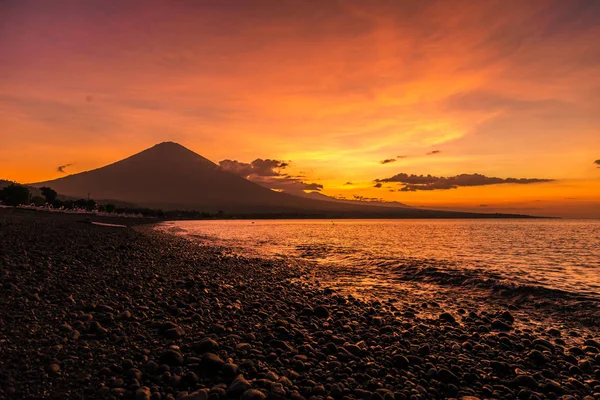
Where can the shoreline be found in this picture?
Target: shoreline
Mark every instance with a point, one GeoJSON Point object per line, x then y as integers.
{"type": "Point", "coordinates": [452, 288]}
{"type": "Point", "coordinates": [101, 312]}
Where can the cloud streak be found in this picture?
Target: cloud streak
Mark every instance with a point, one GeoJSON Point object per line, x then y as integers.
{"type": "Point", "coordinates": [387, 161]}
{"type": "Point", "coordinates": [433, 152]}
{"type": "Point", "coordinates": [413, 183]}
{"type": "Point", "coordinates": [597, 162]}
{"type": "Point", "coordinates": [61, 168]}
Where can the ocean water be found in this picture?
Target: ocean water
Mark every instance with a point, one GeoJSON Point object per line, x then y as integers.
{"type": "Point", "coordinates": [547, 257]}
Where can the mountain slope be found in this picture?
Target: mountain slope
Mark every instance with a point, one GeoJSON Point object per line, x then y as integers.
{"type": "Point", "coordinates": [169, 176]}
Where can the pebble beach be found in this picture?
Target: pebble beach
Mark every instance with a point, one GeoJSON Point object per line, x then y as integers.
{"type": "Point", "coordinates": [106, 312]}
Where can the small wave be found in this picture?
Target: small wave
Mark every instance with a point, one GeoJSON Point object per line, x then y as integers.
{"type": "Point", "coordinates": [472, 278]}
{"type": "Point", "coordinates": [517, 293]}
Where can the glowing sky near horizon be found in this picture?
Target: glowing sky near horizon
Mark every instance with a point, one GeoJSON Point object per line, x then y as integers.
{"type": "Point", "coordinates": [500, 88]}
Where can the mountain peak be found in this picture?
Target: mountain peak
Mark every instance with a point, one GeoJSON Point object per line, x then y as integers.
{"type": "Point", "coordinates": [168, 146]}
{"type": "Point", "coordinates": [170, 152]}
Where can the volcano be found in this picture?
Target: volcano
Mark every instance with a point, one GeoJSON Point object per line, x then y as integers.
{"type": "Point", "coordinates": [172, 177]}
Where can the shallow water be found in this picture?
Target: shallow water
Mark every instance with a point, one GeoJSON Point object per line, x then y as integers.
{"type": "Point", "coordinates": [553, 256]}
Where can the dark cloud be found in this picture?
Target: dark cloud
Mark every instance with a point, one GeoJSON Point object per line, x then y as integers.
{"type": "Point", "coordinates": [348, 183]}
{"type": "Point", "coordinates": [269, 173]}
{"type": "Point", "coordinates": [433, 152]}
{"type": "Point", "coordinates": [388, 160]}
{"type": "Point", "coordinates": [258, 167]}
{"type": "Point", "coordinates": [378, 185]}
{"type": "Point", "coordinates": [597, 162]}
{"type": "Point", "coordinates": [61, 168]}
{"type": "Point", "coordinates": [412, 182]}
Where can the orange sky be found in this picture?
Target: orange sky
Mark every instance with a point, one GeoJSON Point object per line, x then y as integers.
{"type": "Point", "coordinates": [500, 88]}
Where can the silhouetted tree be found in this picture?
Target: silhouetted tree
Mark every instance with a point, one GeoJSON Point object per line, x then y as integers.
{"type": "Point", "coordinates": [81, 203]}
{"type": "Point", "coordinates": [90, 204]}
{"type": "Point", "coordinates": [49, 194]}
{"type": "Point", "coordinates": [110, 208]}
{"type": "Point", "coordinates": [14, 195]}
{"type": "Point", "coordinates": [38, 201]}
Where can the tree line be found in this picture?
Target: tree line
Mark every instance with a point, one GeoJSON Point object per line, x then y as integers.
{"type": "Point", "coordinates": [16, 195]}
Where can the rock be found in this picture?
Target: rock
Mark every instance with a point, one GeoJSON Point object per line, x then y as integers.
{"type": "Point", "coordinates": [544, 344]}
{"type": "Point", "coordinates": [142, 393]}
{"type": "Point", "coordinates": [238, 387]}
{"type": "Point", "coordinates": [424, 350]}
{"type": "Point", "coordinates": [321, 312]}
{"type": "Point", "coordinates": [253, 394]}
{"type": "Point", "coordinates": [447, 317]}
{"type": "Point", "coordinates": [125, 315]}
{"type": "Point", "coordinates": [501, 368]}
{"type": "Point", "coordinates": [174, 333]}
{"type": "Point", "coordinates": [498, 325]}
{"type": "Point", "coordinates": [507, 316]}
{"type": "Point", "coordinates": [53, 369]}
{"type": "Point", "coordinates": [197, 395]}
{"type": "Point", "coordinates": [552, 387]}
{"type": "Point", "coordinates": [171, 357]}
{"type": "Point", "coordinates": [319, 390]}
{"type": "Point", "coordinates": [280, 344]}
{"type": "Point", "coordinates": [525, 381]}
{"type": "Point", "coordinates": [230, 369]}
{"type": "Point", "coordinates": [212, 361]}
{"type": "Point", "coordinates": [447, 377]}
{"type": "Point", "coordinates": [537, 357]}
{"type": "Point", "coordinates": [592, 343]}
{"type": "Point", "coordinates": [206, 345]}
{"type": "Point", "coordinates": [400, 361]}
{"type": "Point", "coordinates": [134, 373]}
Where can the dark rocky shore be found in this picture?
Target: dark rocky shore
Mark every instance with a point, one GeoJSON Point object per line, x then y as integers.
{"type": "Point", "coordinates": [97, 312]}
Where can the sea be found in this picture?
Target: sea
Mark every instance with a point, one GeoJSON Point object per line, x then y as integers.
{"type": "Point", "coordinates": [387, 259]}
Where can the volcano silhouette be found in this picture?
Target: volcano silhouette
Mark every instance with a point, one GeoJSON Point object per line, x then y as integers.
{"type": "Point", "coordinates": [170, 176]}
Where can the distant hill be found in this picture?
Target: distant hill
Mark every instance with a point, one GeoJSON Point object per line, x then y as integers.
{"type": "Point", "coordinates": [324, 197]}
{"type": "Point", "coordinates": [170, 176]}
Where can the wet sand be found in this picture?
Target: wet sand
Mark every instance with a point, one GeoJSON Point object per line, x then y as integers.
{"type": "Point", "coordinates": [91, 311]}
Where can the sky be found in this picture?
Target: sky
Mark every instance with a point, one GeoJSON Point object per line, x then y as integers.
{"type": "Point", "coordinates": [496, 100]}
